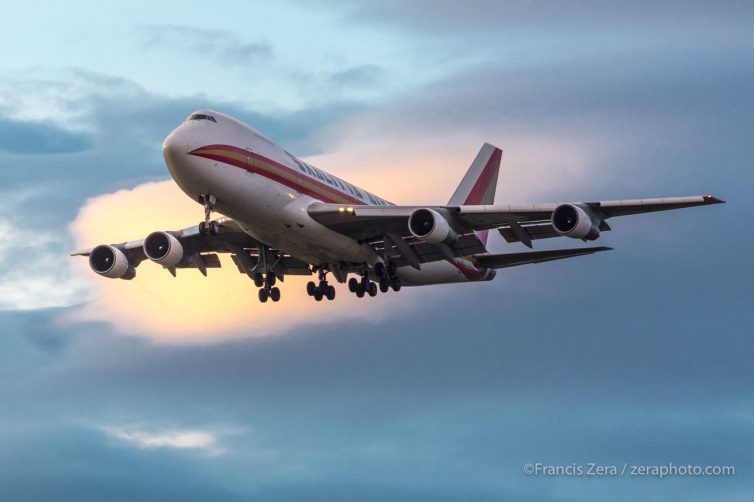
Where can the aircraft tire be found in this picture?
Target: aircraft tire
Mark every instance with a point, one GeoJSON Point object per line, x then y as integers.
{"type": "Point", "coordinates": [275, 294]}
{"type": "Point", "coordinates": [353, 284]}
{"type": "Point", "coordinates": [396, 284]}
{"type": "Point", "coordinates": [311, 288]}
{"type": "Point", "coordinates": [384, 285]}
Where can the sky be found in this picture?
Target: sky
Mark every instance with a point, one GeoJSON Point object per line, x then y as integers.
{"type": "Point", "coordinates": [189, 389]}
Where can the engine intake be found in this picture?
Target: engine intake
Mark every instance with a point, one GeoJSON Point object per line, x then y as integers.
{"type": "Point", "coordinates": [430, 226]}
{"type": "Point", "coordinates": [111, 262]}
{"type": "Point", "coordinates": [575, 222]}
{"type": "Point", "coordinates": [163, 248]}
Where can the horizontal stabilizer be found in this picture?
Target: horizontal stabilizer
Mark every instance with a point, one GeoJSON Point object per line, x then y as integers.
{"type": "Point", "coordinates": [514, 259]}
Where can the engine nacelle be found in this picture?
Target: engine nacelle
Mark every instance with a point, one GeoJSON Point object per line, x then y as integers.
{"type": "Point", "coordinates": [430, 226]}
{"type": "Point", "coordinates": [575, 222]}
{"type": "Point", "coordinates": [111, 262]}
{"type": "Point", "coordinates": [163, 248]}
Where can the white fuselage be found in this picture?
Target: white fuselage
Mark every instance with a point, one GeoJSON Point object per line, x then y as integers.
{"type": "Point", "coordinates": [267, 192]}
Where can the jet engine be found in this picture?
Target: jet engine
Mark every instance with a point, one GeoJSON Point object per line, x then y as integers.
{"type": "Point", "coordinates": [575, 222]}
{"type": "Point", "coordinates": [430, 226]}
{"type": "Point", "coordinates": [111, 262]}
{"type": "Point", "coordinates": [163, 248]}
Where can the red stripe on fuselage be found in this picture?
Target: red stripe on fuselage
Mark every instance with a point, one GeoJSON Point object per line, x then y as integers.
{"type": "Point", "coordinates": [330, 195]}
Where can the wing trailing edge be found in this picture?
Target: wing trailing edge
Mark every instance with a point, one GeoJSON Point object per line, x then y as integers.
{"type": "Point", "coordinates": [506, 260]}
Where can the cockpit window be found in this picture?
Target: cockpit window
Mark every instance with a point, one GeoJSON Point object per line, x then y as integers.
{"type": "Point", "coordinates": [201, 116]}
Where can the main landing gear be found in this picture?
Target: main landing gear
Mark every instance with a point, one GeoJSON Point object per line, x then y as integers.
{"type": "Point", "coordinates": [208, 227]}
{"type": "Point", "coordinates": [362, 287]}
{"type": "Point", "coordinates": [321, 290]}
{"type": "Point", "coordinates": [387, 278]}
{"type": "Point", "coordinates": [267, 287]}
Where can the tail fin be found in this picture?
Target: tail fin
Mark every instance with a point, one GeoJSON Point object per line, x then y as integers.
{"type": "Point", "coordinates": [480, 182]}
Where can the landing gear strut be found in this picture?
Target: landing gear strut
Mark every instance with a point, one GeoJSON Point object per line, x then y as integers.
{"type": "Point", "coordinates": [321, 290]}
{"type": "Point", "coordinates": [208, 227]}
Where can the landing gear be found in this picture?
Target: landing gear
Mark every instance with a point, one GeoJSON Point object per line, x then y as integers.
{"type": "Point", "coordinates": [208, 227]}
{"type": "Point", "coordinates": [391, 268]}
{"type": "Point", "coordinates": [395, 283]}
{"type": "Point", "coordinates": [353, 284]}
{"type": "Point", "coordinates": [387, 273]}
{"type": "Point", "coordinates": [321, 290]}
{"type": "Point", "coordinates": [364, 286]}
{"type": "Point", "coordinates": [270, 280]}
{"type": "Point", "coordinates": [267, 289]}
{"type": "Point", "coordinates": [384, 284]}
{"type": "Point", "coordinates": [275, 294]}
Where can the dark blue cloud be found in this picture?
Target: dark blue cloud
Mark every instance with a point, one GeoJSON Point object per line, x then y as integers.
{"type": "Point", "coordinates": [40, 138]}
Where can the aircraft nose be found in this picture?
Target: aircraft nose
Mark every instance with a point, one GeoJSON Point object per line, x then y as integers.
{"type": "Point", "coordinates": [174, 148]}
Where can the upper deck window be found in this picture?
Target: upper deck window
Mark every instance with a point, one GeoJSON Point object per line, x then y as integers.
{"type": "Point", "coordinates": [201, 116]}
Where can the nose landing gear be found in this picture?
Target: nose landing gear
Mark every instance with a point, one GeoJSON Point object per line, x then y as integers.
{"type": "Point", "coordinates": [208, 227]}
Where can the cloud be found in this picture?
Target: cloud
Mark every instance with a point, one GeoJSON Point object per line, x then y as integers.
{"type": "Point", "coordinates": [40, 138]}
{"type": "Point", "coordinates": [419, 163]}
{"type": "Point", "coordinates": [222, 46]}
{"type": "Point", "coordinates": [191, 307]}
{"type": "Point", "coordinates": [34, 271]}
{"type": "Point", "coordinates": [201, 440]}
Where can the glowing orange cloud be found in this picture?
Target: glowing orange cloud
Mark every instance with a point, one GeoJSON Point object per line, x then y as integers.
{"type": "Point", "coordinates": [192, 307]}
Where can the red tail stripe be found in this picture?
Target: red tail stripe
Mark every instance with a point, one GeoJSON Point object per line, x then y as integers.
{"type": "Point", "coordinates": [483, 182]}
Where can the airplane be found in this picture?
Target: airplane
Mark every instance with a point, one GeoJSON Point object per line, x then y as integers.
{"type": "Point", "coordinates": [281, 216]}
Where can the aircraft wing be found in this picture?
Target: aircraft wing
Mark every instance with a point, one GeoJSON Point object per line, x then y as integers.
{"type": "Point", "coordinates": [524, 223]}
{"type": "Point", "coordinates": [200, 251]}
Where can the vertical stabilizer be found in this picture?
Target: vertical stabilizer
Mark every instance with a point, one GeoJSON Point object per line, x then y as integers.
{"type": "Point", "coordinates": [480, 182]}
